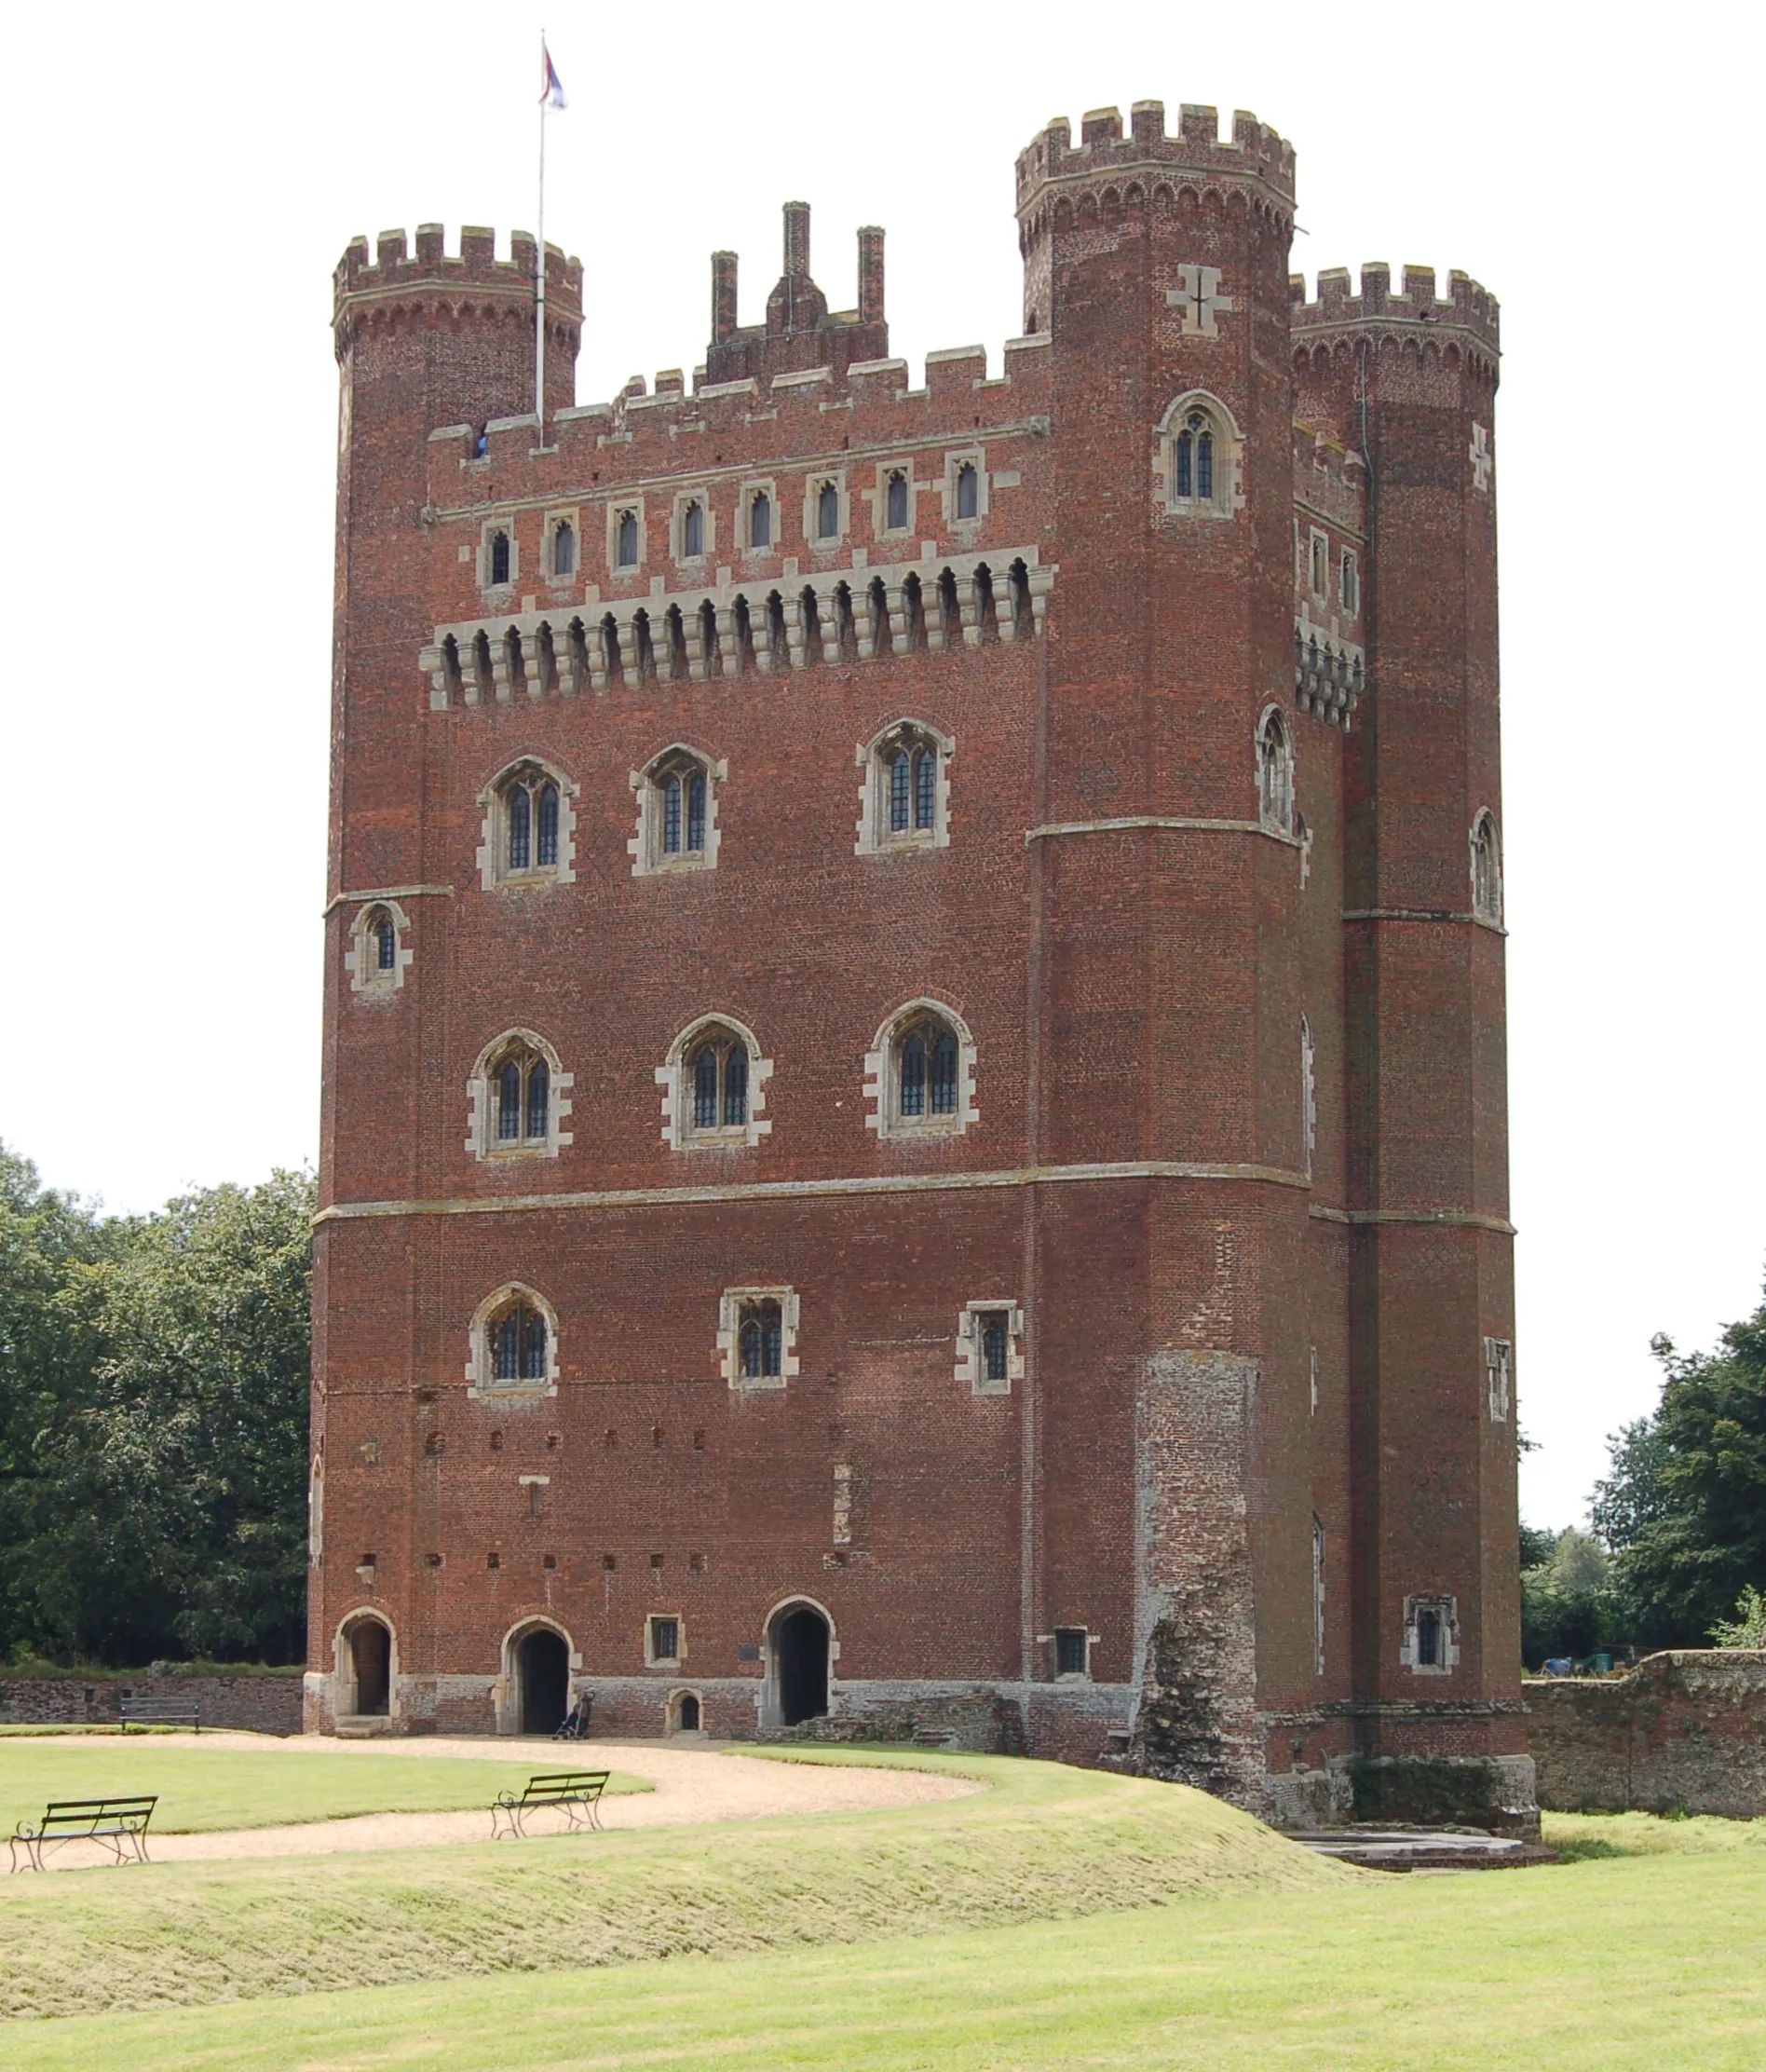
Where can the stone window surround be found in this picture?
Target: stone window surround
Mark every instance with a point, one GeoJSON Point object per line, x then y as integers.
{"type": "Point", "coordinates": [677, 1095]}
{"type": "Point", "coordinates": [1273, 824]}
{"type": "Point", "coordinates": [753, 486]}
{"type": "Point", "coordinates": [619, 570]}
{"type": "Point", "coordinates": [648, 858]}
{"type": "Point", "coordinates": [1229, 458]}
{"type": "Point", "coordinates": [1498, 1377]}
{"type": "Point", "coordinates": [880, 1090]}
{"type": "Point", "coordinates": [1448, 1607]}
{"type": "Point", "coordinates": [361, 960]}
{"type": "Point", "coordinates": [1318, 564]}
{"type": "Point", "coordinates": [478, 1363]}
{"type": "Point", "coordinates": [959, 458]}
{"type": "Point", "coordinates": [1052, 1640]}
{"type": "Point", "coordinates": [652, 1661]}
{"type": "Point", "coordinates": [969, 1361]}
{"type": "Point", "coordinates": [880, 499]}
{"type": "Point", "coordinates": [730, 1324]}
{"type": "Point", "coordinates": [488, 531]}
{"type": "Point", "coordinates": [671, 1710]}
{"type": "Point", "coordinates": [875, 838]}
{"type": "Point", "coordinates": [494, 845]}
{"type": "Point", "coordinates": [815, 541]}
{"type": "Point", "coordinates": [573, 518]}
{"type": "Point", "coordinates": [677, 529]}
{"type": "Point", "coordinates": [480, 1095]}
{"type": "Point", "coordinates": [1481, 908]}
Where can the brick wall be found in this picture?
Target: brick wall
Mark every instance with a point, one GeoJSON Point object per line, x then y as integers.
{"type": "Point", "coordinates": [1686, 1729]}
{"type": "Point", "coordinates": [254, 1702]}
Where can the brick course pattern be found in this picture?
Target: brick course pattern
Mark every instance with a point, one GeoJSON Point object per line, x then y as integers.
{"type": "Point", "coordinates": [1685, 1729]}
{"type": "Point", "coordinates": [256, 1704]}
{"type": "Point", "coordinates": [1251, 1277]}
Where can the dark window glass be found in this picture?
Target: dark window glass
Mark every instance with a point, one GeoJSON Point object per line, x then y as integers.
{"type": "Point", "coordinates": [533, 1345]}
{"type": "Point", "coordinates": [945, 1073]}
{"type": "Point", "coordinates": [913, 1076]}
{"type": "Point", "coordinates": [627, 555]}
{"type": "Point", "coordinates": [671, 816]}
{"type": "Point", "coordinates": [993, 1345]}
{"type": "Point", "coordinates": [499, 557]}
{"type": "Point", "coordinates": [509, 1103]}
{"type": "Point", "coordinates": [705, 1089]}
{"type": "Point", "coordinates": [735, 1086]}
{"type": "Point", "coordinates": [1205, 465]}
{"type": "Point", "coordinates": [692, 531]}
{"type": "Point", "coordinates": [1069, 1651]}
{"type": "Point", "coordinates": [1181, 487]}
{"type": "Point", "coordinates": [505, 1348]}
{"type": "Point", "coordinates": [538, 1097]}
{"type": "Point", "coordinates": [925, 786]}
{"type": "Point", "coordinates": [665, 1644]}
{"type": "Point", "coordinates": [1428, 1640]}
{"type": "Point", "coordinates": [695, 813]}
{"type": "Point", "coordinates": [548, 845]}
{"type": "Point", "coordinates": [387, 943]}
{"type": "Point", "coordinates": [762, 1336]}
{"type": "Point", "coordinates": [520, 817]}
{"type": "Point", "coordinates": [565, 551]}
{"type": "Point", "coordinates": [897, 518]}
{"type": "Point", "coordinates": [968, 491]}
{"type": "Point", "coordinates": [827, 511]}
{"type": "Point", "coordinates": [760, 521]}
{"type": "Point", "coordinates": [901, 780]}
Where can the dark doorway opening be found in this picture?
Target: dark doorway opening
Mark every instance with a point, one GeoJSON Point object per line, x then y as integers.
{"type": "Point", "coordinates": [543, 1664]}
{"type": "Point", "coordinates": [371, 1658]}
{"type": "Point", "coordinates": [800, 1657]}
{"type": "Point", "coordinates": [690, 1714]}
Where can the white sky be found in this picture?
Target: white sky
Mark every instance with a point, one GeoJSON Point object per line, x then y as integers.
{"type": "Point", "coordinates": [184, 180]}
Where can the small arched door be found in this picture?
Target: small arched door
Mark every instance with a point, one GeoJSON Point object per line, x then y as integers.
{"type": "Point", "coordinates": [371, 1662]}
{"type": "Point", "coordinates": [543, 1668]}
{"type": "Point", "coordinates": [800, 1663]}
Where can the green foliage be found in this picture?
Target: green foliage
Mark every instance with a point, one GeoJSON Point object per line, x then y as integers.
{"type": "Point", "coordinates": [1684, 1507]}
{"type": "Point", "coordinates": [1747, 1629]}
{"type": "Point", "coordinates": [1569, 1605]}
{"type": "Point", "coordinates": [153, 1422]}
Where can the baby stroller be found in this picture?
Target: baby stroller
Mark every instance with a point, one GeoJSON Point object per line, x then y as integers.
{"type": "Point", "coordinates": [575, 1726]}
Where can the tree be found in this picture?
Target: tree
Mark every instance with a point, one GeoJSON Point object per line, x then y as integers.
{"type": "Point", "coordinates": [1684, 1507]}
{"type": "Point", "coordinates": [157, 1503]}
{"type": "Point", "coordinates": [1747, 1629]}
{"type": "Point", "coordinates": [1568, 1603]}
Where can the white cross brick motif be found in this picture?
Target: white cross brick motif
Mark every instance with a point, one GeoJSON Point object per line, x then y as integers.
{"type": "Point", "coordinates": [1482, 459]}
{"type": "Point", "coordinates": [1200, 299]}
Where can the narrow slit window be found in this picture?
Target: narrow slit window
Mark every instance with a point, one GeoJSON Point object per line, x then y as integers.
{"type": "Point", "coordinates": [385, 943]}
{"type": "Point", "coordinates": [760, 521]}
{"type": "Point", "coordinates": [995, 1342]}
{"type": "Point", "coordinates": [499, 557]}
{"type": "Point", "coordinates": [896, 503]}
{"type": "Point", "coordinates": [626, 554]}
{"type": "Point", "coordinates": [565, 550]}
{"type": "Point", "coordinates": [693, 532]}
{"type": "Point", "coordinates": [828, 512]}
{"type": "Point", "coordinates": [968, 491]}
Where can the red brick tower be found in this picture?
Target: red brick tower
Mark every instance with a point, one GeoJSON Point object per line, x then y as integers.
{"type": "Point", "coordinates": [905, 1151]}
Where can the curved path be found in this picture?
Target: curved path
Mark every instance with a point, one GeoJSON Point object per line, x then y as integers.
{"type": "Point", "coordinates": [691, 1784]}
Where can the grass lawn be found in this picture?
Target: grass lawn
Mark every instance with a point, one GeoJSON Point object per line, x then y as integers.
{"type": "Point", "coordinates": [202, 1789]}
{"type": "Point", "coordinates": [1046, 1843]}
{"type": "Point", "coordinates": [1652, 1962]}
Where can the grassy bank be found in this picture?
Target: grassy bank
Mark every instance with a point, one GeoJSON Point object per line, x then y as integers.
{"type": "Point", "coordinates": [201, 1789]}
{"type": "Point", "coordinates": [1635, 1965]}
{"type": "Point", "coordinates": [1045, 1843]}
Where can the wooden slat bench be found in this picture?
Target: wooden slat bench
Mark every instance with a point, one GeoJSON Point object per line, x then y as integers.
{"type": "Point", "coordinates": [577, 1792]}
{"type": "Point", "coordinates": [159, 1712]}
{"type": "Point", "coordinates": [118, 1826]}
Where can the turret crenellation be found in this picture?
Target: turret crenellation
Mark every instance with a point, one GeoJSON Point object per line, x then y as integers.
{"type": "Point", "coordinates": [1468, 307]}
{"type": "Point", "coordinates": [394, 274]}
{"type": "Point", "coordinates": [1197, 148]}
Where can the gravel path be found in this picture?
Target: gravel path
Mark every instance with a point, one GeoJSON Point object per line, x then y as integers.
{"type": "Point", "coordinates": [691, 1784]}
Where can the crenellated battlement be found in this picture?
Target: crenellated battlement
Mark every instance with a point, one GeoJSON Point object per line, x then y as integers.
{"type": "Point", "coordinates": [1253, 150]}
{"type": "Point", "coordinates": [395, 275]}
{"type": "Point", "coordinates": [1468, 307]}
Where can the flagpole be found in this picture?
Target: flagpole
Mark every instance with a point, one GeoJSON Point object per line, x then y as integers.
{"type": "Point", "coordinates": [539, 258]}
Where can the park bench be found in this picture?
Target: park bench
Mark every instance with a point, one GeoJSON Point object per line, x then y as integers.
{"type": "Point", "coordinates": [577, 1792]}
{"type": "Point", "coordinates": [159, 1712]}
{"type": "Point", "coordinates": [118, 1826]}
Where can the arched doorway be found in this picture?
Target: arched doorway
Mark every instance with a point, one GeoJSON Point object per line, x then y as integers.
{"type": "Point", "coordinates": [800, 1663]}
{"type": "Point", "coordinates": [542, 1670]}
{"type": "Point", "coordinates": [371, 1665]}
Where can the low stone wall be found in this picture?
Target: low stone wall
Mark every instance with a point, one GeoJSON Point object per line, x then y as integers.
{"type": "Point", "coordinates": [1685, 1730]}
{"type": "Point", "coordinates": [259, 1701]}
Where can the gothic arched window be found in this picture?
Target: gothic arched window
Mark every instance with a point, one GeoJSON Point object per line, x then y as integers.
{"type": "Point", "coordinates": [529, 803]}
{"type": "Point", "coordinates": [904, 807]}
{"type": "Point", "coordinates": [716, 1076]}
{"type": "Point", "coordinates": [1486, 869]}
{"type": "Point", "coordinates": [926, 1071]}
{"type": "Point", "coordinates": [1275, 774]}
{"type": "Point", "coordinates": [760, 520]}
{"type": "Point", "coordinates": [626, 541]}
{"type": "Point", "coordinates": [968, 491]}
{"type": "Point", "coordinates": [1193, 459]}
{"type": "Point", "coordinates": [693, 532]}
{"type": "Point", "coordinates": [522, 1080]}
{"type": "Point", "coordinates": [677, 812]}
{"type": "Point", "coordinates": [499, 558]}
{"type": "Point", "coordinates": [375, 961]}
{"type": "Point", "coordinates": [517, 1343]}
{"type": "Point", "coordinates": [563, 549]}
{"type": "Point", "coordinates": [828, 512]}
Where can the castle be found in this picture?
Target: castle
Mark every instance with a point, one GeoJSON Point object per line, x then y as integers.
{"type": "Point", "coordinates": [914, 1122]}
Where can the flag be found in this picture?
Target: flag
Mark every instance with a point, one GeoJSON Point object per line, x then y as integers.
{"type": "Point", "coordinates": [552, 94]}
